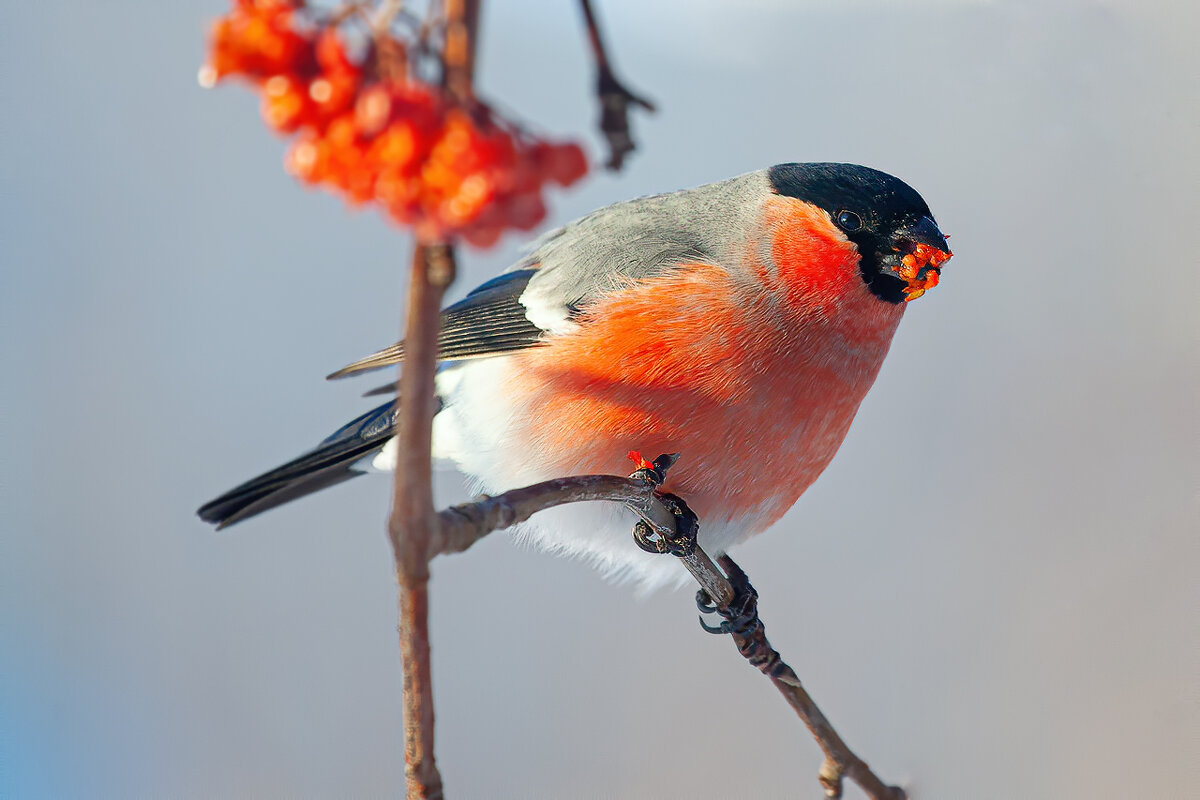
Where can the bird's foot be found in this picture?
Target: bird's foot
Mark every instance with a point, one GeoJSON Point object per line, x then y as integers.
{"type": "Point", "coordinates": [682, 542]}
{"type": "Point", "coordinates": [741, 616]}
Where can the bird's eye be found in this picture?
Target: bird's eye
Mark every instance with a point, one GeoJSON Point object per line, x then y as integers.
{"type": "Point", "coordinates": [849, 221]}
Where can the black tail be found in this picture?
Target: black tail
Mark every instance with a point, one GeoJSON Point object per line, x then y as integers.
{"type": "Point", "coordinates": [332, 462]}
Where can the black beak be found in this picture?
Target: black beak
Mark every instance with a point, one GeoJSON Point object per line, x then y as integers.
{"type": "Point", "coordinates": [924, 231]}
{"type": "Point", "coordinates": [910, 262]}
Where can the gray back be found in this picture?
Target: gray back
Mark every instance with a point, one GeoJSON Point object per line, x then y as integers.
{"type": "Point", "coordinates": [644, 237]}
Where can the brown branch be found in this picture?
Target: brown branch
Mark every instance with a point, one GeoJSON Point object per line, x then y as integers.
{"type": "Point", "coordinates": [614, 98]}
{"type": "Point", "coordinates": [390, 59]}
{"type": "Point", "coordinates": [462, 525]}
{"type": "Point", "coordinates": [413, 523]}
{"type": "Point", "coordinates": [458, 55]}
{"type": "Point", "coordinates": [840, 761]}
{"type": "Point", "coordinates": [381, 20]}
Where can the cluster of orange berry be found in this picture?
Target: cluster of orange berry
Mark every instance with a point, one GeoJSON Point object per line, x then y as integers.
{"type": "Point", "coordinates": [445, 170]}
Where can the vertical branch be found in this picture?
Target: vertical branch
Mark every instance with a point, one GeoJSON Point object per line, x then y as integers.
{"type": "Point", "coordinates": [413, 524]}
{"type": "Point", "coordinates": [462, 33]}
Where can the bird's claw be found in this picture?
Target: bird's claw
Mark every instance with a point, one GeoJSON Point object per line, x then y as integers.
{"type": "Point", "coordinates": [741, 616]}
{"type": "Point", "coordinates": [682, 542]}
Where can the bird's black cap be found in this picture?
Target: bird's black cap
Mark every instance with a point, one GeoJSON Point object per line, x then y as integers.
{"type": "Point", "coordinates": [835, 187]}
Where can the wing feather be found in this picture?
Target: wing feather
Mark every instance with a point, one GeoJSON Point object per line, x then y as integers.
{"type": "Point", "coordinates": [489, 321]}
{"type": "Point", "coordinates": [331, 462]}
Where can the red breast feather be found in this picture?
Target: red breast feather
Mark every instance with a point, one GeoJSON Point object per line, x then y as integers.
{"type": "Point", "coordinates": [753, 373]}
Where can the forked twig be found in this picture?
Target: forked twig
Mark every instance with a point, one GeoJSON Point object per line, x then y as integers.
{"type": "Point", "coordinates": [615, 99]}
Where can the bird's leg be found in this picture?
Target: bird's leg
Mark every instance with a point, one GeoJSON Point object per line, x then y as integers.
{"type": "Point", "coordinates": [741, 616]}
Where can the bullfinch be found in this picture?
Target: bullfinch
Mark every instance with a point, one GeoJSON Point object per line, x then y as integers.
{"type": "Point", "coordinates": [739, 324]}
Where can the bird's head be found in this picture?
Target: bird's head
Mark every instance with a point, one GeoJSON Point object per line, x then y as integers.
{"type": "Point", "coordinates": [901, 250]}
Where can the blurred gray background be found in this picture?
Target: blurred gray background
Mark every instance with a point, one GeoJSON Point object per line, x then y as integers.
{"type": "Point", "coordinates": [992, 591]}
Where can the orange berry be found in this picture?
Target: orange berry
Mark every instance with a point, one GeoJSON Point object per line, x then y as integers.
{"type": "Point", "coordinates": [285, 104]}
{"type": "Point", "coordinates": [396, 146]}
{"type": "Point", "coordinates": [257, 40]}
{"type": "Point", "coordinates": [567, 164]}
{"type": "Point", "coordinates": [306, 160]}
{"type": "Point", "coordinates": [524, 211]}
{"type": "Point", "coordinates": [331, 53]}
{"type": "Point", "coordinates": [332, 95]}
{"type": "Point", "coordinates": [399, 193]}
{"type": "Point", "coordinates": [373, 109]}
{"type": "Point", "coordinates": [482, 237]}
{"type": "Point", "coordinates": [360, 184]}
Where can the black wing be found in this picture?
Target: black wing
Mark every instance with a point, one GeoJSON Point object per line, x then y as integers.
{"type": "Point", "coordinates": [488, 321]}
{"type": "Point", "coordinates": [330, 463]}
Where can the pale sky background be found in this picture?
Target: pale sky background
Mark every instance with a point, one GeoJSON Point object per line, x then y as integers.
{"type": "Point", "coordinates": [992, 592]}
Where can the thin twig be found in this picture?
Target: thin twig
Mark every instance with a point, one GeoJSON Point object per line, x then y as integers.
{"type": "Point", "coordinates": [840, 761]}
{"type": "Point", "coordinates": [342, 13]}
{"type": "Point", "coordinates": [614, 98]}
{"type": "Point", "coordinates": [390, 59]}
{"type": "Point", "coordinates": [463, 525]}
{"type": "Point", "coordinates": [381, 20]}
